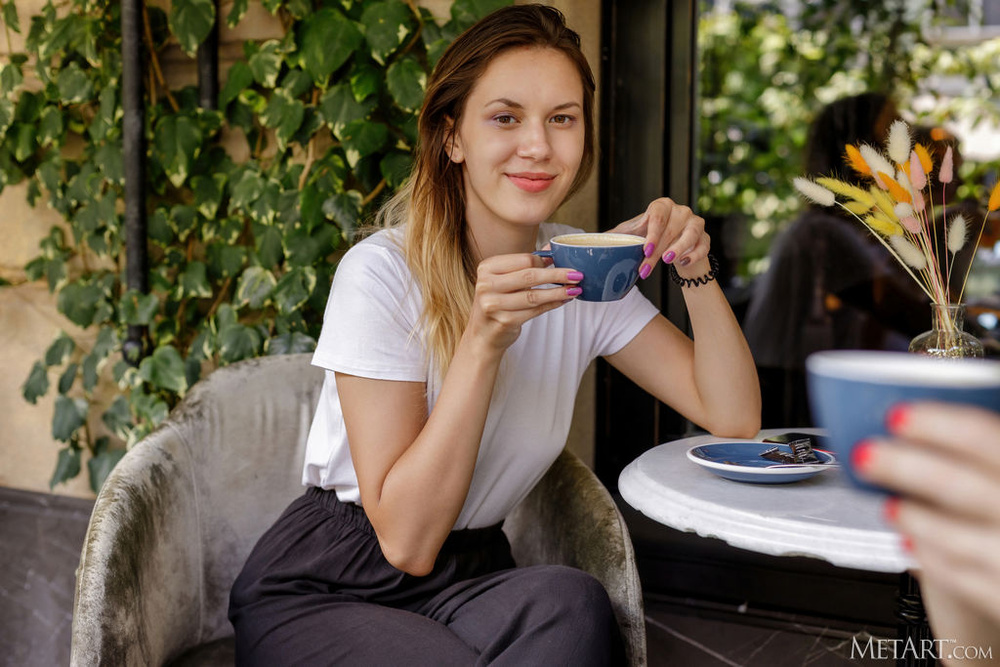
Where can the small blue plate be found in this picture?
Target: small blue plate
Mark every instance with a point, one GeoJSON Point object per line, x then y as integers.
{"type": "Point", "coordinates": [741, 461]}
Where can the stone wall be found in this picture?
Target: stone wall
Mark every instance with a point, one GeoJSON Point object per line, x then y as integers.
{"type": "Point", "coordinates": [28, 317]}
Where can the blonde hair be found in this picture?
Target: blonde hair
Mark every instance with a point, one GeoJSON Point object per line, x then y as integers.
{"type": "Point", "coordinates": [432, 202]}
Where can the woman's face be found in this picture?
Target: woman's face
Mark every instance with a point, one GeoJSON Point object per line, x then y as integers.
{"type": "Point", "coordinates": [520, 139]}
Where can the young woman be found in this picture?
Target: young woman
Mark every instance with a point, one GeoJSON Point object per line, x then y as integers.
{"type": "Point", "coordinates": [453, 356]}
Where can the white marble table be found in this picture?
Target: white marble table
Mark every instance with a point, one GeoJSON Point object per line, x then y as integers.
{"type": "Point", "coordinates": [821, 517]}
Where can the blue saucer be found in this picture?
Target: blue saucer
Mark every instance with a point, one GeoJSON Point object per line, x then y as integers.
{"type": "Point", "coordinates": [741, 461]}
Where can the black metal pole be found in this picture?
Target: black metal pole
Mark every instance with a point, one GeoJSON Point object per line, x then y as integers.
{"type": "Point", "coordinates": [134, 156]}
{"type": "Point", "coordinates": [208, 67]}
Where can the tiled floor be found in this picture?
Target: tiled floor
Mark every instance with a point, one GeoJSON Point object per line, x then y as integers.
{"type": "Point", "coordinates": [41, 535]}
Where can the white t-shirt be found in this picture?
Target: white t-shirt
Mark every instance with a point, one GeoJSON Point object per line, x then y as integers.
{"type": "Point", "coordinates": [368, 331]}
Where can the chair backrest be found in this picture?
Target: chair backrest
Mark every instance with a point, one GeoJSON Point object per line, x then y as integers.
{"type": "Point", "coordinates": [183, 509]}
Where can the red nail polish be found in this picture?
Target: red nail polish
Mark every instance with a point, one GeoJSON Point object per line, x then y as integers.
{"type": "Point", "coordinates": [669, 256]}
{"type": "Point", "coordinates": [890, 510]}
{"type": "Point", "coordinates": [861, 455]}
{"type": "Point", "coordinates": [896, 417]}
{"type": "Point", "coordinates": [906, 543]}
{"type": "Point", "coordinates": [645, 271]}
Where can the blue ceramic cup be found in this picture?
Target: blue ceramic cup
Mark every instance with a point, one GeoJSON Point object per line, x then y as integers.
{"type": "Point", "coordinates": [850, 392]}
{"type": "Point", "coordinates": [609, 262]}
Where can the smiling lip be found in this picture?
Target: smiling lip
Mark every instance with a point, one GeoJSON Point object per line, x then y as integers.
{"type": "Point", "coordinates": [530, 182]}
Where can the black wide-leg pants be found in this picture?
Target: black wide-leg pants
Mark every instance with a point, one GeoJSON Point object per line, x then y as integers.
{"type": "Point", "coordinates": [316, 590]}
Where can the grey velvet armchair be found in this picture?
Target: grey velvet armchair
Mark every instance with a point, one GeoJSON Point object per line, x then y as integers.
{"type": "Point", "coordinates": [179, 514]}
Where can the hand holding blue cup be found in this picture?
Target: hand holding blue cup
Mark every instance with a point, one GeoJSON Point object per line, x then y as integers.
{"type": "Point", "coordinates": [609, 262]}
{"type": "Point", "coordinates": [851, 391]}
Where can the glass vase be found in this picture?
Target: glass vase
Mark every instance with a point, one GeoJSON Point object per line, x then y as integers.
{"type": "Point", "coordinates": [947, 338]}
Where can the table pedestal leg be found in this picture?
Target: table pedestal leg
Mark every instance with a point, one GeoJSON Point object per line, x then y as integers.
{"type": "Point", "coordinates": [914, 631]}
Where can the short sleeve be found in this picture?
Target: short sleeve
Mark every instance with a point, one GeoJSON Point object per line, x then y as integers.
{"type": "Point", "coordinates": [371, 319]}
{"type": "Point", "coordinates": [620, 321]}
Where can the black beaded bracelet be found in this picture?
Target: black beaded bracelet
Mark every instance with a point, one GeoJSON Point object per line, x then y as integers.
{"type": "Point", "coordinates": [701, 280]}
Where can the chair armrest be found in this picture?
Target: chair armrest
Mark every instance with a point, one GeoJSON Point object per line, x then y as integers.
{"type": "Point", "coordinates": [569, 518]}
{"type": "Point", "coordinates": [137, 599]}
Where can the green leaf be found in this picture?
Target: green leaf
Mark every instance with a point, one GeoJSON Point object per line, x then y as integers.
{"type": "Point", "coordinates": [89, 371]}
{"type": "Point", "coordinates": [290, 343]}
{"type": "Point", "coordinates": [225, 261]}
{"type": "Point", "coordinates": [9, 16]}
{"type": "Point", "coordinates": [340, 108]}
{"type": "Point", "coordinates": [395, 168]}
{"type": "Point", "coordinates": [10, 76]}
{"type": "Point", "coordinates": [78, 301]}
{"type": "Point", "coordinates": [101, 465]}
{"type": "Point", "coordinates": [118, 418]}
{"type": "Point", "coordinates": [239, 78]}
{"type": "Point", "coordinates": [265, 62]}
{"type": "Point", "coordinates": [50, 127]}
{"type": "Point", "coordinates": [108, 158]}
{"type": "Point", "coordinates": [59, 350]}
{"type": "Point", "coordinates": [191, 21]}
{"type": "Point", "coordinates": [63, 32]}
{"type": "Point", "coordinates": [36, 385]}
{"type": "Point", "coordinates": [362, 138]}
{"type": "Point", "coordinates": [67, 466]}
{"type": "Point", "coordinates": [326, 40]}
{"type": "Point", "coordinates": [67, 378]}
{"type": "Point", "coordinates": [24, 141]}
{"type": "Point", "coordinates": [284, 114]}
{"type": "Point", "coordinates": [294, 288]}
{"type": "Point", "coordinates": [407, 82]}
{"type": "Point", "coordinates": [247, 189]}
{"type": "Point", "coordinates": [164, 369]}
{"type": "Point", "coordinates": [194, 282]}
{"type": "Point", "coordinates": [297, 82]}
{"type": "Point", "coordinates": [302, 249]}
{"type": "Point", "coordinates": [70, 414]}
{"type": "Point", "coordinates": [236, 14]}
{"type": "Point", "coordinates": [74, 85]}
{"type": "Point", "coordinates": [177, 141]}
{"type": "Point", "coordinates": [107, 341]}
{"type": "Point", "coordinates": [344, 208]}
{"type": "Point", "coordinates": [387, 25]}
{"type": "Point", "coordinates": [267, 243]}
{"type": "Point", "coordinates": [138, 308]}
{"type": "Point", "coordinates": [238, 342]}
{"type": "Point", "coordinates": [310, 207]}
{"type": "Point", "coordinates": [6, 114]}
{"type": "Point", "coordinates": [255, 286]}
{"type": "Point", "coordinates": [148, 407]}
{"type": "Point", "coordinates": [208, 193]}
{"type": "Point", "coordinates": [366, 80]}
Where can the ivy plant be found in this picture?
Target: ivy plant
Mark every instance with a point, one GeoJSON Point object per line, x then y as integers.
{"type": "Point", "coordinates": [241, 252]}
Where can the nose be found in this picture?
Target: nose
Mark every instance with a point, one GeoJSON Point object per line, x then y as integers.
{"type": "Point", "coordinates": [534, 142]}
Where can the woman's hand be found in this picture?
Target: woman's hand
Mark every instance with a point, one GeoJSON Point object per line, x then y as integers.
{"type": "Point", "coordinates": [673, 233]}
{"type": "Point", "coordinates": [509, 292]}
{"type": "Point", "coordinates": [943, 461]}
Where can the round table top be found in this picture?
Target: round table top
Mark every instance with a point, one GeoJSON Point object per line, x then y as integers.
{"type": "Point", "coordinates": [820, 517]}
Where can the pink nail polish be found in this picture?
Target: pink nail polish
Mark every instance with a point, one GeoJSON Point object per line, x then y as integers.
{"type": "Point", "coordinates": [574, 291]}
{"type": "Point", "coordinates": [648, 250]}
{"type": "Point", "coordinates": [669, 256]}
{"type": "Point", "coordinates": [575, 276]}
{"type": "Point", "coordinates": [645, 271]}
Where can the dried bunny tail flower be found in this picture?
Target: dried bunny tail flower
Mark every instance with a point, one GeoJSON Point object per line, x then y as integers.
{"type": "Point", "coordinates": [925, 158]}
{"type": "Point", "coordinates": [855, 161]}
{"type": "Point", "coordinates": [859, 207]}
{"type": "Point", "coordinates": [881, 224]}
{"type": "Point", "coordinates": [898, 192]}
{"type": "Point", "coordinates": [956, 233]}
{"type": "Point", "coordinates": [918, 175]}
{"type": "Point", "coordinates": [845, 189]}
{"type": "Point", "coordinates": [918, 201]}
{"type": "Point", "coordinates": [876, 162]}
{"type": "Point", "coordinates": [947, 167]}
{"type": "Point", "coordinates": [883, 202]}
{"type": "Point", "coordinates": [994, 202]}
{"type": "Point", "coordinates": [898, 144]}
{"type": "Point", "coordinates": [910, 224]}
{"type": "Point", "coordinates": [902, 209]}
{"type": "Point", "coordinates": [904, 180]}
{"type": "Point", "coordinates": [814, 192]}
{"type": "Point", "coordinates": [909, 253]}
